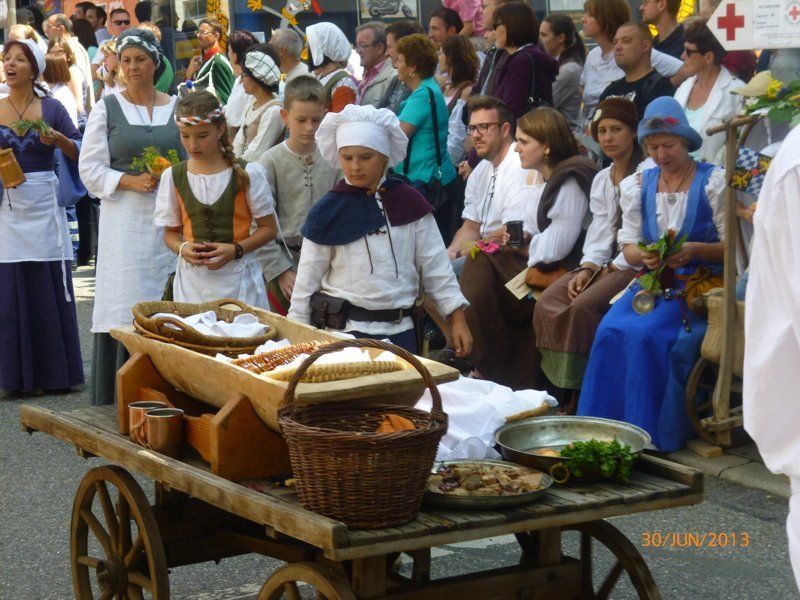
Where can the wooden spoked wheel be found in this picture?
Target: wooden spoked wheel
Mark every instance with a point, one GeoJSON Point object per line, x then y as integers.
{"type": "Point", "coordinates": [327, 583]}
{"type": "Point", "coordinates": [699, 404]}
{"type": "Point", "coordinates": [115, 546]}
{"type": "Point", "coordinates": [624, 559]}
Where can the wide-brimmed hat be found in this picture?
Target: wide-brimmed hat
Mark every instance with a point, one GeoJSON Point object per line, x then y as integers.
{"type": "Point", "coordinates": [375, 128]}
{"type": "Point", "coordinates": [618, 108]}
{"type": "Point", "coordinates": [757, 86]}
{"type": "Point", "coordinates": [665, 115]}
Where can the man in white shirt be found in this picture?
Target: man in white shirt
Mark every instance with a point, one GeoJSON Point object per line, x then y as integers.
{"type": "Point", "coordinates": [378, 70]}
{"type": "Point", "coordinates": [493, 194]}
{"type": "Point", "coordinates": [60, 25]}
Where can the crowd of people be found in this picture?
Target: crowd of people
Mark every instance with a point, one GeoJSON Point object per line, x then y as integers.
{"type": "Point", "coordinates": [485, 167]}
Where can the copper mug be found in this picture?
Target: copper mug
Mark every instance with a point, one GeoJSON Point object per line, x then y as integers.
{"type": "Point", "coordinates": [164, 431]}
{"type": "Point", "coordinates": [136, 413]}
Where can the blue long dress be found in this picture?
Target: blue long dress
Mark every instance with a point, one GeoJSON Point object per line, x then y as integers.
{"type": "Point", "coordinates": [639, 364]}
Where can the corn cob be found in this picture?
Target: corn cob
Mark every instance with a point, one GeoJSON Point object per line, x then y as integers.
{"type": "Point", "coordinates": [336, 371]}
{"type": "Point", "coordinates": [267, 361]}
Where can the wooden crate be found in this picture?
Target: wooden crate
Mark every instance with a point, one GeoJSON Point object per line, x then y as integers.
{"type": "Point", "coordinates": [232, 439]}
{"type": "Point", "coordinates": [212, 381]}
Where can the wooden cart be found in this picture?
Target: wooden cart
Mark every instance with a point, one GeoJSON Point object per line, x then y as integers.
{"type": "Point", "coordinates": [121, 546]}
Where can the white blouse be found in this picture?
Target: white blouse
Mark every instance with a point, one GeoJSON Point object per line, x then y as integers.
{"type": "Point", "coordinates": [668, 215]}
{"type": "Point", "coordinates": [208, 189]}
{"type": "Point", "coordinates": [363, 272]}
{"type": "Point", "coordinates": [566, 216]}
{"type": "Point", "coordinates": [235, 107]}
{"type": "Point", "coordinates": [267, 118]}
{"type": "Point", "coordinates": [601, 237]}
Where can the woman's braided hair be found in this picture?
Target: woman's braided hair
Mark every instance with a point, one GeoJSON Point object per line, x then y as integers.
{"type": "Point", "coordinates": [201, 104]}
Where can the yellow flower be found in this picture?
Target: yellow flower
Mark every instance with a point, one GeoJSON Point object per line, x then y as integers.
{"type": "Point", "coordinates": [773, 89]}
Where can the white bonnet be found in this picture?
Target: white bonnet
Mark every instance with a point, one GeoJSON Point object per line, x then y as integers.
{"type": "Point", "coordinates": [326, 39]}
{"type": "Point", "coordinates": [376, 128]}
{"type": "Point", "coordinates": [37, 53]}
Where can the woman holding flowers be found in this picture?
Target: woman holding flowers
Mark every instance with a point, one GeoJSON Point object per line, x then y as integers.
{"type": "Point", "coordinates": [640, 361]}
{"type": "Point", "coordinates": [207, 205]}
{"type": "Point", "coordinates": [132, 262]}
{"type": "Point", "coordinates": [39, 344]}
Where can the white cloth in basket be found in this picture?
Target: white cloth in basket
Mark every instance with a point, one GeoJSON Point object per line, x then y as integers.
{"type": "Point", "coordinates": [246, 325]}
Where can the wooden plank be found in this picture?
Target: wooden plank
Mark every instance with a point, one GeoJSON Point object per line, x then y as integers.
{"type": "Point", "coordinates": [260, 508]}
{"type": "Point", "coordinates": [369, 577]}
{"type": "Point", "coordinates": [672, 471]}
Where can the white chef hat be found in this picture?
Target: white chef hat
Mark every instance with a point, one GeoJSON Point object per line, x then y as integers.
{"type": "Point", "coordinates": [375, 128]}
{"type": "Point", "coordinates": [326, 39]}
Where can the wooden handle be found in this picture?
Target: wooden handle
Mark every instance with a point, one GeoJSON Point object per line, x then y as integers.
{"type": "Point", "coordinates": [288, 396]}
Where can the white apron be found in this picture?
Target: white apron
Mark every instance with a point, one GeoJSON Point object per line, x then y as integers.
{"type": "Point", "coordinates": [240, 279]}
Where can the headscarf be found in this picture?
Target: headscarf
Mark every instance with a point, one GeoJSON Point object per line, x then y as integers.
{"type": "Point", "coordinates": [261, 67]}
{"type": "Point", "coordinates": [326, 39]}
{"type": "Point", "coordinates": [143, 40]}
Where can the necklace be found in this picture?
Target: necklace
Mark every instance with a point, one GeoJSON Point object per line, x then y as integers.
{"type": "Point", "coordinates": [672, 196]}
{"type": "Point", "coordinates": [148, 127]}
{"type": "Point", "coordinates": [27, 106]}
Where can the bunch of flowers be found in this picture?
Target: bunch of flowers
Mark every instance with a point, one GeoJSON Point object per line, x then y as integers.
{"type": "Point", "coordinates": [484, 246]}
{"type": "Point", "coordinates": [666, 246]}
{"type": "Point", "coordinates": [154, 162]}
{"type": "Point", "coordinates": [781, 101]}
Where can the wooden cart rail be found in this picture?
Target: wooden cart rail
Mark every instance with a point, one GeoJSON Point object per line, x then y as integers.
{"type": "Point", "coordinates": [655, 484]}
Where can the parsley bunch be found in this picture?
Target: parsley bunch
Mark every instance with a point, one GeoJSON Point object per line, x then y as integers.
{"type": "Point", "coordinates": [665, 246]}
{"type": "Point", "coordinates": [24, 125]}
{"type": "Point", "coordinates": [611, 459]}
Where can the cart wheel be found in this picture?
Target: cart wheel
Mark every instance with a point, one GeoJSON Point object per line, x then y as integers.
{"type": "Point", "coordinates": [327, 583]}
{"type": "Point", "coordinates": [626, 560]}
{"type": "Point", "coordinates": [699, 398]}
{"type": "Point", "coordinates": [126, 562]}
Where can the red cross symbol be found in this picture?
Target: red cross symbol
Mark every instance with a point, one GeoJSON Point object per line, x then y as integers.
{"type": "Point", "coordinates": [794, 13]}
{"type": "Point", "coordinates": [730, 22]}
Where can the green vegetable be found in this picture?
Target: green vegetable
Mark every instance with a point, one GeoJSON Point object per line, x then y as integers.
{"type": "Point", "coordinates": [611, 459]}
{"type": "Point", "coordinates": [24, 125]}
{"type": "Point", "coordinates": [665, 247]}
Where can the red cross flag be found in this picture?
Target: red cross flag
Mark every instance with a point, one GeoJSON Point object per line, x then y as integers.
{"type": "Point", "coordinates": [754, 24]}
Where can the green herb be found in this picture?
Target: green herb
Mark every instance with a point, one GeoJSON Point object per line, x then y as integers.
{"type": "Point", "coordinates": [665, 247]}
{"type": "Point", "coordinates": [24, 125]}
{"type": "Point", "coordinates": [612, 459]}
{"type": "Point", "coordinates": [151, 157]}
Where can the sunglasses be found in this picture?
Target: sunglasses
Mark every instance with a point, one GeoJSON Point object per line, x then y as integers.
{"type": "Point", "coordinates": [120, 23]}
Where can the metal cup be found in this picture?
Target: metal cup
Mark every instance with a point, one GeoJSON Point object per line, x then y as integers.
{"type": "Point", "coordinates": [136, 413]}
{"type": "Point", "coordinates": [643, 302]}
{"type": "Point", "coordinates": [164, 428]}
{"type": "Point", "coordinates": [514, 229]}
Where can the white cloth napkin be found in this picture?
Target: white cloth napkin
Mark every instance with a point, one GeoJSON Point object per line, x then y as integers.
{"type": "Point", "coordinates": [246, 325]}
{"type": "Point", "coordinates": [476, 409]}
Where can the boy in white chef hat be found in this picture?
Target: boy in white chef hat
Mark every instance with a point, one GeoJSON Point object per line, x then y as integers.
{"type": "Point", "coordinates": [370, 239]}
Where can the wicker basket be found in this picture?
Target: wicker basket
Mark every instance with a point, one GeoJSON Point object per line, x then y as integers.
{"type": "Point", "coordinates": [173, 331]}
{"type": "Point", "coordinates": [347, 471]}
{"type": "Point", "coordinates": [712, 342]}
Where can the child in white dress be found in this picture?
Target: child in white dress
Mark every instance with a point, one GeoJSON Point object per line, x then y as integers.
{"type": "Point", "coordinates": [215, 210]}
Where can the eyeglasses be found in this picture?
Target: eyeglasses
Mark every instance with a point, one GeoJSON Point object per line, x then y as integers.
{"type": "Point", "coordinates": [121, 23]}
{"type": "Point", "coordinates": [690, 52]}
{"type": "Point", "coordinates": [481, 128]}
{"type": "Point", "coordinates": [363, 46]}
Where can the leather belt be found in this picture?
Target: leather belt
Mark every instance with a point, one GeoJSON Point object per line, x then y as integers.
{"type": "Point", "coordinates": [388, 315]}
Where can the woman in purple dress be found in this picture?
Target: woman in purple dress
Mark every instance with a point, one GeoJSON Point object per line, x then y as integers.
{"type": "Point", "coordinates": [39, 344]}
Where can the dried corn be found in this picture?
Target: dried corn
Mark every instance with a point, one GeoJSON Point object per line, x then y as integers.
{"type": "Point", "coordinates": [267, 361]}
{"type": "Point", "coordinates": [335, 371]}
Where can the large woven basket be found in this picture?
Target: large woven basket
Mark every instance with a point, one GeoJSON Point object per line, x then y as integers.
{"type": "Point", "coordinates": [173, 331]}
{"type": "Point", "coordinates": [712, 342]}
{"type": "Point", "coordinates": [347, 471]}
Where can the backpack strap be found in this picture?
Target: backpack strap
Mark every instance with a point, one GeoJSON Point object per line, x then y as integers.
{"type": "Point", "coordinates": [435, 138]}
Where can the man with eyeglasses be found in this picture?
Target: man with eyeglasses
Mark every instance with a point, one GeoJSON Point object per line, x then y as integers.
{"type": "Point", "coordinates": [663, 15]}
{"type": "Point", "coordinates": [59, 25]}
{"type": "Point", "coordinates": [211, 70]}
{"type": "Point", "coordinates": [118, 21]}
{"type": "Point", "coordinates": [493, 195]}
{"type": "Point", "coordinates": [378, 70]}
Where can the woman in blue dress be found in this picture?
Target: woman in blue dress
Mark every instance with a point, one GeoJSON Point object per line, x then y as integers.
{"type": "Point", "coordinates": [639, 363]}
{"type": "Point", "coordinates": [39, 344]}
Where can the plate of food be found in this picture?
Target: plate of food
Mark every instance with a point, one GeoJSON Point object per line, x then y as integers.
{"type": "Point", "coordinates": [484, 484]}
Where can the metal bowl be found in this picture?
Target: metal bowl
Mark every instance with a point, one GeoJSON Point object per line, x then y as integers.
{"type": "Point", "coordinates": [445, 500]}
{"type": "Point", "coordinates": [517, 440]}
